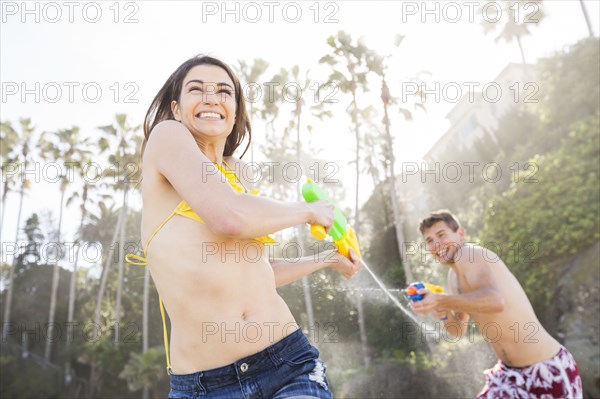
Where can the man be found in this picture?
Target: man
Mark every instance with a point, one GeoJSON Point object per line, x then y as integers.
{"type": "Point", "coordinates": [532, 364]}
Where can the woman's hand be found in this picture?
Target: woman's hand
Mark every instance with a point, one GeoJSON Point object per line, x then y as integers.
{"type": "Point", "coordinates": [346, 267]}
{"type": "Point", "coordinates": [321, 214]}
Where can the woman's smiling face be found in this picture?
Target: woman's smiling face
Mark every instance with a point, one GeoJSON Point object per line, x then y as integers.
{"type": "Point", "coordinates": [207, 103]}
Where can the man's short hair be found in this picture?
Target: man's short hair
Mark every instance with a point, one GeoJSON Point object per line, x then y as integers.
{"type": "Point", "coordinates": [443, 215]}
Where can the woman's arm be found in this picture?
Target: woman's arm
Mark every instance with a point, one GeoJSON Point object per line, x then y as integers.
{"type": "Point", "coordinates": [289, 270]}
{"type": "Point", "coordinates": [173, 152]}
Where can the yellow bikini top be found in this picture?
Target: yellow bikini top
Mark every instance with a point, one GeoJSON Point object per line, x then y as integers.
{"type": "Point", "coordinates": [183, 209]}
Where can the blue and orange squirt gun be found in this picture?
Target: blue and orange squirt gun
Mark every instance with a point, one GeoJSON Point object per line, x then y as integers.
{"type": "Point", "coordinates": [412, 289]}
{"type": "Point", "coordinates": [342, 233]}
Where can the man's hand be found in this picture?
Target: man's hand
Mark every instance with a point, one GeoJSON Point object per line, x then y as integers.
{"type": "Point", "coordinates": [440, 314]}
{"type": "Point", "coordinates": [430, 303]}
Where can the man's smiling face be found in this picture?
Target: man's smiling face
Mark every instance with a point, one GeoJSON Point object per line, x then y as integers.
{"type": "Point", "coordinates": [442, 242]}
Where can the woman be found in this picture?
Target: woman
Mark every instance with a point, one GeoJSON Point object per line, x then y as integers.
{"type": "Point", "coordinates": [232, 335]}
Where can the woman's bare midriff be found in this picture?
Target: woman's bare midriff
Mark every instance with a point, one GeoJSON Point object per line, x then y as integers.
{"type": "Point", "coordinates": [219, 294]}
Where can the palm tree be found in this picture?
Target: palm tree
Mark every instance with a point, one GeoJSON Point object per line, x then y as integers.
{"type": "Point", "coordinates": [8, 164]}
{"type": "Point", "coordinates": [101, 229]}
{"type": "Point", "coordinates": [28, 258]}
{"type": "Point", "coordinates": [267, 107]}
{"type": "Point", "coordinates": [352, 58]}
{"type": "Point", "coordinates": [68, 146]}
{"type": "Point", "coordinates": [250, 75]}
{"type": "Point", "coordinates": [371, 140]}
{"type": "Point", "coordinates": [85, 199]}
{"type": "Point", "coordinates": [517, 20]}
{"type": "Point", "coordinates": [124, 170]}
{"type": "Point", "coordinates": [270, 111]}
{"type": "Point", "coordinates": [23, 157]}
{"type": "Point", "coordinates": [378, 65]}
{"type": "Point", "coordinates": [587, 18]}
{"type": "Point", "coordinates": [316, 110]}
{"type": "Point", "coordinates": [115, 228]}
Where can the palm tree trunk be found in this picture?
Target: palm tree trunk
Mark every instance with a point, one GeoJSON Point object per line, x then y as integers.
{"type": "Point", "coordinates": [587, 18]}
{"type": "Point", "coordinates": [398, 228]}
{"type": "Point", "coordinates": [73, 282]}
{"type": "Point", "coordinates": [394, 196]}
{"type": "Point", "coordinates": [361, 312]}
{"type": "Point", "coordinates": [54, 291]}
{"type": "Point", "coordinates": [356, 159]}
{"type": "Point", "coordinates": [94, 376]}
{"type": "Point", "coordinates": [309, 306]}
{"type": "Point", "coordinates": [105, 273]}
{"type": "Point", "coordinates": [305, 285]}
{"type": "Point", "coordinates": [72, 297]}
{"type": "Point", "coordinates": [359, 308]}
{"type": "Point", "coordinates": [120, 277]}
{"type": "Point", "coordinates": [11, 273]}
{"type": "Point", "coordinates": [4, 192]}
{"type": "Point", "coordinates": [521, 49]}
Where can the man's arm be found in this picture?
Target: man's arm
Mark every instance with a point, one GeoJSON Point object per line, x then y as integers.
{"type": "Point", "coordinates": [483, 295]}
{"type": "Point", "coordinates": [289, 270]}
{"type": "Point", "coordinates": [456, 323]}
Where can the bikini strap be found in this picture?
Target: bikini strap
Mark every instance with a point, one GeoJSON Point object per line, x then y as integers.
{"type": "Point", "coordinates": [165, 335]}
{"type": "Point", "coordinates": [234, 175]}
{"type": "Point", "coordinates": [138, 260]}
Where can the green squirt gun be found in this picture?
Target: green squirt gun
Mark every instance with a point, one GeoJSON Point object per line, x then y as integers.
{"type": "Point", "coordinates": [342, 233]}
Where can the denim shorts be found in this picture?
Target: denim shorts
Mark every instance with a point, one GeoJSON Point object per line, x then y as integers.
{"type": "Point", "coordinates": [290, 368]}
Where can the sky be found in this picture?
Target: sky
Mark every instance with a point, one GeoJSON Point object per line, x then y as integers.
{"type": "Point", "coordinates": [79, 63]}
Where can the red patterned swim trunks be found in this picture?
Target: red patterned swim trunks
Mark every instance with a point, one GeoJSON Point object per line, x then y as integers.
{"type": "Point", "coordinates": [557, 377]}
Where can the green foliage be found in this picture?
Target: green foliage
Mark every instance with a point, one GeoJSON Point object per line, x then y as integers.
{"type": "Point", "coordinates": [569, 93]}
{"type": "Point", "coordinates": [32, 285]}
{"type": "Point", "coordinates": [91, 347]}
{"type": "Point", "coordinates": [22, 378]}
{"type": "Point", "coordinates": [34, 237]}
{"type": "Point", "coordinates": [543, 223]}
{"type": "Point", "coordinates": [106, 361]}
{"type": "Point", "coordinates": [570, 85]}
{"type": "Point", "coordinates": [146, 369]}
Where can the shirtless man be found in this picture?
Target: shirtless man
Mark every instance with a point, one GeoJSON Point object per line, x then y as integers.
{"type": "Point", "coordinates": [532, 364]}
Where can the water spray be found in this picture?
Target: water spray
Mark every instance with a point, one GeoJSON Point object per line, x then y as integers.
{"type": "Point", "coordinates": [387, 292]}
{"type": "Point", "coordinates": [344, 237]}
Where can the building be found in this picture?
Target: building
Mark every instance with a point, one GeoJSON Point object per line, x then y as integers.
{"type": "Point", "coordinates": [478, 112]}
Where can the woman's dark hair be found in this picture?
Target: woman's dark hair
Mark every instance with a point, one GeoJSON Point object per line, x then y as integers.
{"type": "Point", "coordinates": [160, 108]}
